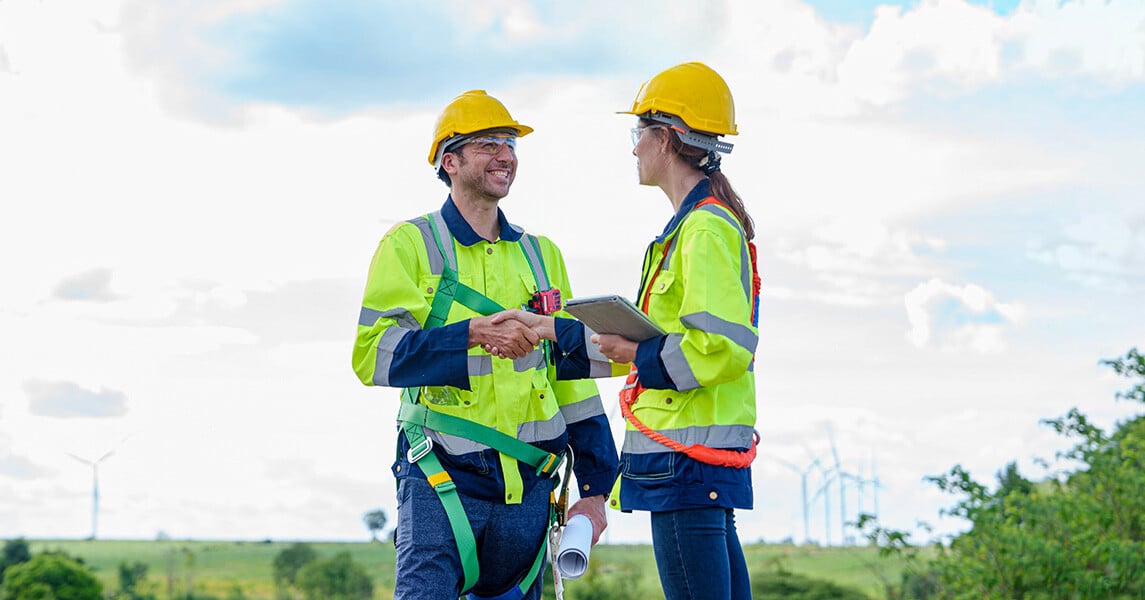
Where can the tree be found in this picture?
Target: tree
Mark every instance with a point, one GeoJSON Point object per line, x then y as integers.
{"type": "Point", "coordinates": [1078, 534]}
{"type": "Point", "coordinates": [130, 577]}
{"type": "Point", "coordinates": [338, 578]}
{"type": "Point", "coordinates": [53, 576]}
{"type": "Point", "coordinates": [15, 552]}
{"type": "Point", "coordinates": [375, 521]}
{"type": "Point", "coordinates": [290, 561]}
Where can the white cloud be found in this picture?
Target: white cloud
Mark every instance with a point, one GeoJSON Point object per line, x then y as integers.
{"type": "Point", "coordinates": [975, 321]}
{"type": "Point", "coordinates": [1104, 40]}
{"type": "Point", "coordinates": [64, 399]}
{"type": "Point", "coordinates": [1100, 250]}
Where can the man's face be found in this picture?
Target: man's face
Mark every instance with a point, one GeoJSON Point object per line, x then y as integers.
{"type": "Point", "coordinates": [486, 166]}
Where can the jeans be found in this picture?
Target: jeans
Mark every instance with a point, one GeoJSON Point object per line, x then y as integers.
{"type": "Point", "coordinates": [508, 538]}
{"type": "Point", "coordinates": [699, 556]}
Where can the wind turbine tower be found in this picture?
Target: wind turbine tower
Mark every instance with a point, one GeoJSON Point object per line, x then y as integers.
{"type": "Point", "coordinates": [842, 478]}
{"type": "Point", "coordinates": [803, 473]}
{"type": "Point", "coordinates": [94, 487]}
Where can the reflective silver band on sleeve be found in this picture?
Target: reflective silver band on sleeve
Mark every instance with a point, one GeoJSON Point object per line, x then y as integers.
{"type": "Point", "coordinates": [385, 357]}
{"type": "Point", "coordinates": [672, 355]}
{"type": "Point", "coordinates": [742, 335]}
{"type": "Point", "coordinates": [368, 317]}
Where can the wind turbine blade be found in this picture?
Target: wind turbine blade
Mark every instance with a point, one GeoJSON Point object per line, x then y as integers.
{"type": "Point", "coordinates": [83, 460]}
{"type": "Point", "coordinates": [105, 456]}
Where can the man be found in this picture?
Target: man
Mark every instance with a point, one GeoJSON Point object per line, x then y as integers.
{"type": "Point", "coordinates": [474, 502]}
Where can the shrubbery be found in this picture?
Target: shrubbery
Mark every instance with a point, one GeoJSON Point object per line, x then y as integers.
{"type": "Point", "coordinates": [1079, 534]}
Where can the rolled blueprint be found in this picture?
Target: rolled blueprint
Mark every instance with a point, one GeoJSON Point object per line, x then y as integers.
{"type": "Point", "coordinates": [576, 541]}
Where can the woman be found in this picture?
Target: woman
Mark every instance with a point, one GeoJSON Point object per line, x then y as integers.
{"type": "Point", "coordinates": [690, 396]}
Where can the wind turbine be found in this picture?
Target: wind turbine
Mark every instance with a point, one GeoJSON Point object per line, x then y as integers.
{"type": "Point", "coordinates": [94, 486]}
{"type": "Point", "coordinates": [803, 473]}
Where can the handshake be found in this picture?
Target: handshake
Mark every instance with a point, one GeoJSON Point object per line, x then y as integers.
{"type": "Point", "coordinates": [511, 333]}
{"type": "Point", "coordinates": [515, 333]}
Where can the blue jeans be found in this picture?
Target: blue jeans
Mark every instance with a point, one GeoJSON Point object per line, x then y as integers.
{"type": "Point", "coordinates": [699, 556]}
{"type": "Point", "coordinates": [508, 538]}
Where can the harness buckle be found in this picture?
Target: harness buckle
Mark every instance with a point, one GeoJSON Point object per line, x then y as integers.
{"type": "Point", "coordinates": [419, 450]}
{"type": "Point", "coordinates": [551, 466]}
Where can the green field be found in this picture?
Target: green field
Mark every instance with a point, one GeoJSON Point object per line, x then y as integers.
{"type": "Point", "coordinates": [227, 570]}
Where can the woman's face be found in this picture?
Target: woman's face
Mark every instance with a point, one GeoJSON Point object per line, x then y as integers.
{"type": "Point", "coordinates": [646, 148]}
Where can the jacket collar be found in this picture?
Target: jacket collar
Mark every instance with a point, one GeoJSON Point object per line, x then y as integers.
{"type": "Point", "coordinates": [702, 190]}
{"type": "Point", "coordinates": [461, 231]}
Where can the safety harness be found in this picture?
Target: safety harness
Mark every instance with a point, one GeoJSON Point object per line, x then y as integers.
{"type": "Point", "coordinates": [632, 389]}
{"type": "Point", "coordinates": [414, 417]}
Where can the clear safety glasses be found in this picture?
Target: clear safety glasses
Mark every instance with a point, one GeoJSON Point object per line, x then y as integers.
{"type": "Point", "coordinates": [492, 144]}
{"type": "Point", "coordinates": [638, 131]}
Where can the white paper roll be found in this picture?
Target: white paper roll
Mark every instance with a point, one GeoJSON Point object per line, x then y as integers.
{"type": "Point", "coordinates": [576, 542]}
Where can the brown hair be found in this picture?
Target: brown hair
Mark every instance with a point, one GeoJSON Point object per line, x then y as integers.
{"type": "Point", "coordinates": [721, 187]}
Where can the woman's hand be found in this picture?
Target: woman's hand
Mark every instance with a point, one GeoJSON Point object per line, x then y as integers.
{"type": "Point", "coordinates": [616, 348]}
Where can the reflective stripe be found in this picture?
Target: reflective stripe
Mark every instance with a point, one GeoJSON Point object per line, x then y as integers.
{"type": "Point", "coordinates": [672, 355]}
{"type": "Point", "coordinates": [436, 263]}
{"type": "Point", "coordinates": [531, 432]}
{"type": "Point", "coordinates": [446, 239]}
{"type": "Point", "coordinates": [744, 260]}
{"type": "Point", "coordinates": [368, 317]}
{"type": "Point", "coordinates": [709, 323]}
{"type": "Point", "coordinates": [584, 409]}
{"type": "Point", "coordinates": [530, 245]}
{"type": "Point", "coordinates": [598, 363]}
{"type": "Point", "coordinates": [531, 361]}
{"type": "Point", "coordinates": [712, 436]}
{"type": "Point", "coordinates": [480, 365]}
{"type": "Point", "coordinates": [386, 344]}
{"type": "Point", "coordinates": [539, 431]}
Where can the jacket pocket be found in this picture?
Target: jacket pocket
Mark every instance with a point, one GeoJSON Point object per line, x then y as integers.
{"type": "Point", "coordinates": [648, 467]}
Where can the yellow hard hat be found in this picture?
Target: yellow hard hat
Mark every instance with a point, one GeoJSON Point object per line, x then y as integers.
{"type": "Point", "coordinates": [468, 113]}
{"type": "Point", "coordinates": [693, 92]}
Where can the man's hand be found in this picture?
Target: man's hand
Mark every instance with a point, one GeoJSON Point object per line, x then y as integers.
{"type": "Point", "coordinates": [511, 339]}
{"type": "Point", "coordinates": [618, 349]}
{"type": "Point", "coordinates": [593, 508]}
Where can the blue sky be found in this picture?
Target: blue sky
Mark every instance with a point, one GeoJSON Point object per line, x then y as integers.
{"type": "Point", "coordinates": [948, 201]}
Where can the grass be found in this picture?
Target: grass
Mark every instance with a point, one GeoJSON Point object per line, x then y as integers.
{"type": "Point", "coordinates": [233, 570]}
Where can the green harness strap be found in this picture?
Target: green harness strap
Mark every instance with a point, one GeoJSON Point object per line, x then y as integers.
{"type": "Point", "coordinates": [414, 417]}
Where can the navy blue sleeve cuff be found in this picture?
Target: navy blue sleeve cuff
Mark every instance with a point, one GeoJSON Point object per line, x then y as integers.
{"type": "Point", "coordinates": [652, 373]}
{"type": "Point", "coordinates": [596, 463]}
{"type": "Point", "coordinates": [437, 356]}
{"type": "Point", "coordinates": [570, 355]}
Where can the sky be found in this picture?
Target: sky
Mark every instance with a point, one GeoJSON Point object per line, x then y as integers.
{"type": "Point", "coordinates": [948, 196]}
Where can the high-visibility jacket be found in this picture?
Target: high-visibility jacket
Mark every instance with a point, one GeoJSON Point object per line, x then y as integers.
{"type": "Point", "coordinates": [699, 379]}
{"type": "Point", "coordinates": [519, 397]}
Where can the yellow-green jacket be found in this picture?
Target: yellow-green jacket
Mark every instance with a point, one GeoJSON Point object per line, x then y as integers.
{"type": "Point", "coordinates": [518, 397]}
{"type": "Point", "coordinates": [699, 377]}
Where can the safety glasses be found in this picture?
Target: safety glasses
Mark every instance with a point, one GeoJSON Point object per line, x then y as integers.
{"type": "Point", "coordinates": [492, 144]}
{"type": "Point", "coordinates": [638, 131]}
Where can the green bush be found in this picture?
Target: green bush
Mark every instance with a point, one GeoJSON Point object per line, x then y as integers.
{"type": "Point", "coordinates": [15, 552]}
{"type": "Point", "coordinates": [338, 578]}
{"type": "Point", "coordinates": [51, 576]}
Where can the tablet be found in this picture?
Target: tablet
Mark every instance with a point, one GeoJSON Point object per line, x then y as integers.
{"type": "Point", "coordinates": [613, 314]}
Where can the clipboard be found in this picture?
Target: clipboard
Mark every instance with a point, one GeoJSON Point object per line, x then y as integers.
{"type": "Point", "coordinates": [613, 314]}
